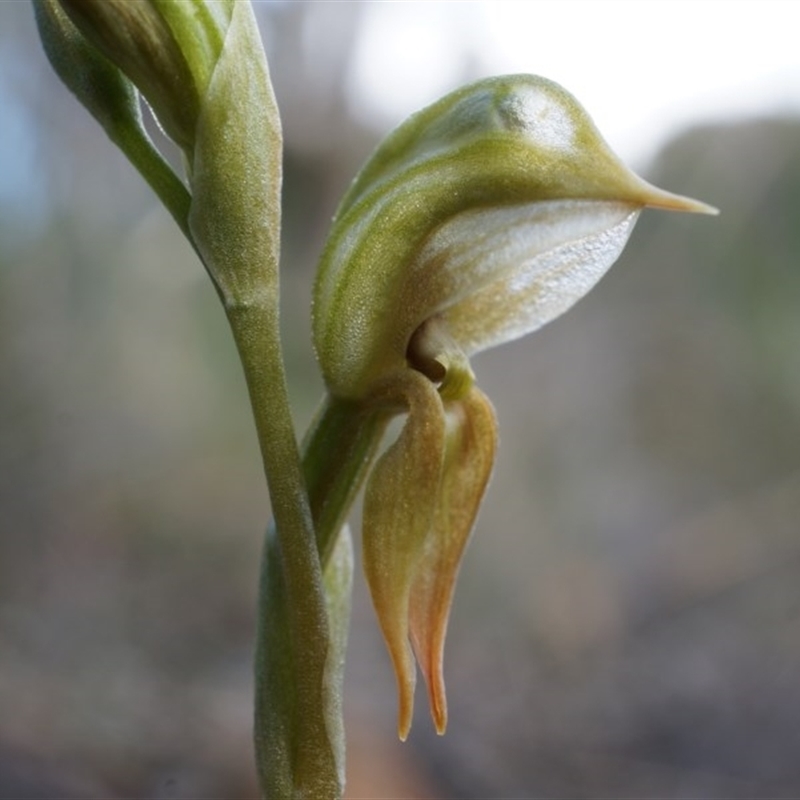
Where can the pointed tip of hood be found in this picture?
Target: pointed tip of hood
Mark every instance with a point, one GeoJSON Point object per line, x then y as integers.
{"type": "Point", "coordinates": [653, 197]}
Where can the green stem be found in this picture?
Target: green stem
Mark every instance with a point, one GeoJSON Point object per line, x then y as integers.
{"type": "Point", "coordinates": [157, 172]}
{"type": "Point", "coordinates": [256, 336]}
{"type": "Point", "coordinates": [303, 615]}
{"type": "Point", "coordinates": [337, 451]}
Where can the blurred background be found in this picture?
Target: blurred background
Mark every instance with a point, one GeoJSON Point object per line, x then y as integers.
{"type": "Point", "coordinates": [627, 622]}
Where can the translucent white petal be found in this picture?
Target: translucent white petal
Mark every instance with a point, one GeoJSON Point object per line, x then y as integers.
{"type": "Point", "coordinates": [503, 272]}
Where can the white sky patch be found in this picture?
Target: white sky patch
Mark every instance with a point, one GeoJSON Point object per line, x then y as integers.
{"type": "Point", "coordinates": [644, 69]}
{"type": "Point", "coordinates": [408, 55]}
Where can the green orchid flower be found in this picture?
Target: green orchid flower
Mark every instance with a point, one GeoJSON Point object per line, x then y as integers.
{"type": "Point", "coordinates": [480, 219]}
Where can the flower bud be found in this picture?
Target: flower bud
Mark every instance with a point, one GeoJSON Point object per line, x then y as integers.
{"type": "Point", "coordinates": [200, 66]}
{"type": "Point", "coordinates": [111, 98]}
{"type": "Point", "coordinates": [167, 49]}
